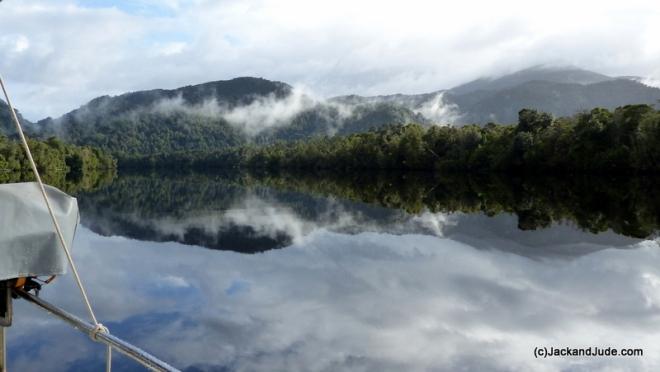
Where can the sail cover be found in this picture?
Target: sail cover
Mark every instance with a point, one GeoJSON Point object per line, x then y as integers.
{"type": "Point", "coordinates": [28, 242]}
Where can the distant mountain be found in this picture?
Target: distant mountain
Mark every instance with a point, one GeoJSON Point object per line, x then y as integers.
{"type": "Point", "coordinates": [559, 91]}
{"type": "Point", "coordinates": [567, 75]}
{"type": "Point", "coordinates": [233, 112]}
{"type": "Point", "coordinates": [560, 99]}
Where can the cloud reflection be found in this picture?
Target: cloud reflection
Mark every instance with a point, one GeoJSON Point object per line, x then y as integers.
{"type": "Point", "coordinates": [367, 301]}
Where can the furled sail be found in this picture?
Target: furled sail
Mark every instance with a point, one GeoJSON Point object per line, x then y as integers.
{"type": "Point", "coordinates": [28, 243]}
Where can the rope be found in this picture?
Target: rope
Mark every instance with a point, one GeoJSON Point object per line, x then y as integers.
{"type": "Point", "coordinates": [98, 326]}
{"type": "Point", "coordinates": [93, 334]}
{"type": "Point", "coordinates": [108, 359]}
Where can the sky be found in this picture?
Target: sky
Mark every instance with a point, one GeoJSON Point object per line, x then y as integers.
{"type": "Point", "coordinates": [57, 55]}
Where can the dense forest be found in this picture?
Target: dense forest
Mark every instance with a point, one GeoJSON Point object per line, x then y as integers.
{"type": "Point", "coordinates": [623, 140]}
{"type": "Point", "coordinates": [147, 133]}
{"type": "Point", "coordinates": [66, 166]}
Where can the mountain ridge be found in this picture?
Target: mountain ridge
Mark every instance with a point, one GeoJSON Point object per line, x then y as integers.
{"type": "Point", "coordinates": [232, 112]}
{"type": "Point", "coordinates": [559, 99]}
{"type": "Point", "coordinates": [566, 74]}
{"type": "Point", "coordinates": [214, 114]}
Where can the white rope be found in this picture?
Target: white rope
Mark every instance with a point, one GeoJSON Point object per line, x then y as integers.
{"type": "Point", "coordinates": [58, 230]}
{"type": "Point", "coordinates": [108, 359]}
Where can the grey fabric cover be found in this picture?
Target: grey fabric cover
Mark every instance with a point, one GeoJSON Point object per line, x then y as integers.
{"type": "Point", "coordinates": [28, 242]}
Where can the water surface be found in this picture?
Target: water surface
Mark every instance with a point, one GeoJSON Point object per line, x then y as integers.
{"type": "Point", "coordinates": [385, 273]}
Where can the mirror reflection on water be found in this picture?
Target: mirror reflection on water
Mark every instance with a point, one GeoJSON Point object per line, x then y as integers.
{"type": "Point", "coordinates": [253, 271]}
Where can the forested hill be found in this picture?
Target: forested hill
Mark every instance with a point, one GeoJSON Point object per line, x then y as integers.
{"type": "Point", "coordinates": [213, 115]}
{"type": "Point", "coordinates": [231, 93]}
{"type": "Point", "coordinates": [223, 114]}
{"type": "Point", "coordinates": [7, 127]}
{"type": "Point", "coordinates": [598, 141]}
{"type": "Point", "coordinates": [162, 120]}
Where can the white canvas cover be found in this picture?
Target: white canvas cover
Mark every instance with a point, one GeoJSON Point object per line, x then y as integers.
{"type": "Point", "coordinates": [28, 242]}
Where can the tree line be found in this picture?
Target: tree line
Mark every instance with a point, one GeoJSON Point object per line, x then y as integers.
{"type": "Point", "coordinates": [57, 162]}
{"type": "Point", "coordinates": [623, 140]}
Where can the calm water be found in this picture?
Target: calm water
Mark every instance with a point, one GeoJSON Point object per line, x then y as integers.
{"type": "Point", "coordinates": [286, 273]}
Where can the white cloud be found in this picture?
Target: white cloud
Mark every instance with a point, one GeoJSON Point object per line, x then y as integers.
{"type": "Point", "coordinates": [269, 111]}
{"type": "Point", "coordinates": [169, 49]}
{"type": "Point", "coordinates": [21, 44]}
{"type": "Point", "coordinates": [334, 47]}
{"type": "Point", "coordinates": [262, 113]}
{"type": "Point", "coordinates": [438, 111]}
{"type": "Point", "coordinates": [652, 82]}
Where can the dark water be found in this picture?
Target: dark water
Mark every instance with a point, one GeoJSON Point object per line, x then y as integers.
{"type": "Point", "coordinates": [411, 272]}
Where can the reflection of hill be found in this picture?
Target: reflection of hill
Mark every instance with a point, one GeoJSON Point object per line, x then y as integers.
{"type": "Point", "coordinates": [156, 208]}
{"type": "Point", "coordinates": [228, 212]}
{"type": "Point", "coordinates": [630, 206]}
{"type": "Point", "coordinates": [252, 213]}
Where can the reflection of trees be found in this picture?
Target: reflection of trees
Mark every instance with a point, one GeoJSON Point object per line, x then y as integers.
{"type": "Point", "coordinates": [164, 195]}
{"type": "Point", "coordinates": [134, 205]}
{"type": "Point", "coordinates": [628, 206]}
{"type": "Point", "coordinates": [71, 183]}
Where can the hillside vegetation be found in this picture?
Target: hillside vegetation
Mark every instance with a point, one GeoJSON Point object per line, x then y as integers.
{"type": "Point", "coordinates": [213, 116]}
{"type": "Point", "coordinates": [623, 140]}
{"type": "Point", "coordinates": [222, 114]}
{"type": "Point", "coordinates": [55, 160]}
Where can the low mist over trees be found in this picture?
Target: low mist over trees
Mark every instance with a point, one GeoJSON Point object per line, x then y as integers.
{"type": "Point", "coordinates": [623, 140]}
{"type": "Point", "coordinates": [212, 116]}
